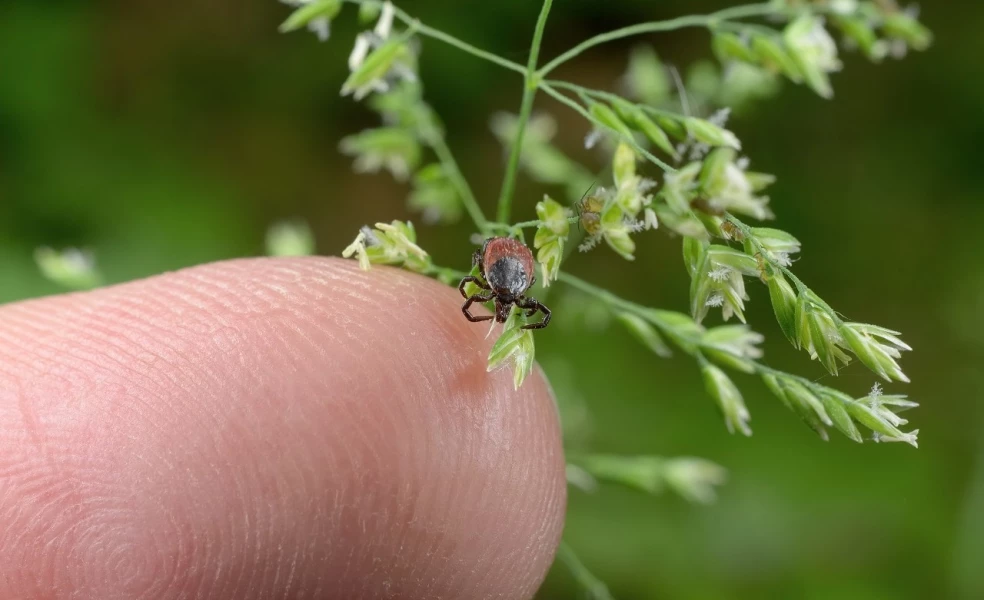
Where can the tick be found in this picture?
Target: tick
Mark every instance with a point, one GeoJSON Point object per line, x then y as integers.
{"type": "Point", "coordinates": [506, 266]}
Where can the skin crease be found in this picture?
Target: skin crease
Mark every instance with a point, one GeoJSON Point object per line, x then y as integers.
{"type": "Point", "coordinates": [269, 428]}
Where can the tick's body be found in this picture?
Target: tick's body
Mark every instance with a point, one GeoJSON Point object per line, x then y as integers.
{"type": "Point", "coordinates": [506, 265]}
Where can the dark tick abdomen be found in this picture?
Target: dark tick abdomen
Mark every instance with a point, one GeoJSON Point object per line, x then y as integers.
{"type": "Point", "coordinates": [507, 274]}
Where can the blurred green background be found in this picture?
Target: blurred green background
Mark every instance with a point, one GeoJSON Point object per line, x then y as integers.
{"type": "Point", "coordinates": [165, 134]}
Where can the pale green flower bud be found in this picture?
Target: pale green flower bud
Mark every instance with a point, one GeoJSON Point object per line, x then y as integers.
{"type": "Point", "coordinates": [368, 12]}
{"type": "Point", "coordinates": [625, 110]}
{"type": "Point", "coordinates": [772, 382]}
{"type": "Point", "coordinates": [654, 134]}
{"type": "Point", "coordinates": [713, 135]}
{"type": "Point", "coordinates": [384, 26]}
{"type": "Point", "coordinates": [733, 346]}
{"type": "Point", "coordinates": [728, 399]}
{"type": "Point", "coordinates": [645, 333]}
{"type": "Point", "coordinates": [877, 348]}
{"type": "Point", "coordinates": [905, 27]}
{"type": "Point", "coordinates": [713, 172]}
{"type": "Point", "coordinates": [807, 404]}
{"type": "Point", "coordinates": [403, 106]}
{"type": "Point", "coordinates": [672, 126]}
{"type": "Point", "coordinates": [759, 181]}
{"type": "Point", "coordinates": [843, 7]}
{"type": "Point", "coordinates": [774, 57]}
{"type": "Point", "coordinates": [316, 15]}
{"type": "Point", "coordinates": [885, 408]}
{"type": "Point", "coordinates": [725, 187]}
{"type": "Point", "coordinates": [369, 73]}
{"type": "Point", "coordinates": [743, 84]}
{"type": "Point", "coordinates": [72, 268]}
{"type": "Point", "coordinates": [694, 478]}
{"type": "Point", "coordinates": [614, 229]}
{"type": "Point", "coordinates": [550, 237]}
{"type": "Point", "coordinates": [389, 244]}
{"type": "Point", "coordinates": [549, 256]}
{"type": "Point", "coordinates": [647, 78]}
{"type": "Point", "coordinates": [701, 285]}
{"type": "Point", "coordinates": [694, 253]}
{"type": "Point", "coordinates": [784, 304]}
{"type": "Point", "coordinates": [818, 333]}
{"type": "Point", "coordinates": [686, 224]}
{"type": "Point", "coordinates": [554, 216]}
{"type": "Point", "coordinates": [703, 81]}
{"type": "Point", "coordinates": [839, 416]}
{"type": "Point", "coordinates": [434, 195]}
{"type": "Point", "coordinates": [623, 164]}
{"type": "Point", "coordinates": [860, 31]}
{"type": "Point", "coordinates": [875, 421]}
{"type": "Point", "coordinates": [514, 345]}
{"type": "Point", "coordinates": [607, 117]}
{"type": "Point", "coordinates": [620, 241]}
{"type": "Point", "coordinates": [289, 238]}
{"type": "Point", "coordinates": [814, 52]}
{"type": "Point", "coordinates": [394, 148]}
{"type": "Point", "coordinates": [678, 327]}
{"type": "Point", "coordinates": [650, 220]}
{"type": "Point", "coordinates": [679, 188]}
{"type": "Point", "coordinates": [400, 239]}
{"type": "Point", "coordinates": [729, 46]}
{"type": "Point", "coordinates": [717, 280]}
{"type": "Point", "coordinates": [802, 322]}
{"type": "Point", "coordinates": [775, 241]}
{"type": "Point", "coordinates": [358, 249]}
{"type": "Point", "coordinates": [726, 256]}
{"type": "Point", "coordinates": [804, 402]}
{"type": "Point", "coordinates": [630, 199]}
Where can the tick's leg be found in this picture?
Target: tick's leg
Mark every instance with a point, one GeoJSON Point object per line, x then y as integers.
{"type": "Point", "coordinates": [476, 281]}
{"type": "Point", "coordinates": [533, 306]}
{"type": "Point", "coordinates": [471, 300]}
{"type": "Point", "coordinates": [501, 311]}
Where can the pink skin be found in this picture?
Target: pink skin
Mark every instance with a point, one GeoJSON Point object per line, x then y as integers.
{"type": "Point", "coordinates": [269, 429]}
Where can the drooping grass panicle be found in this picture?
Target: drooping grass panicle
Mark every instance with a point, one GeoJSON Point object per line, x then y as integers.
{"type": "Point", "coordinates": [693, 479]}
{"type": "Point", "coordinates": [736, 347]}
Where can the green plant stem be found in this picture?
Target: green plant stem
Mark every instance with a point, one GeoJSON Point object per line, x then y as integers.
{"type": "Point", "coordinates": [550, 91]}
{"type": "Point", "coordinates": [693, 345]}
{"type": "Point", "coordinates": [526, 107]}
{"type": "Point", "coordinates": [609, 97]}
{"type": "Point", "coordinates": [440, 146]}
{"type": "Point", "coordinates": [711, 20]}
{"type": "Point", "coordinates": [447, 39]}
{"type": "Point", "coordinates": [525, 224]}
{"type": "Point", "coordinates": [594, 587]}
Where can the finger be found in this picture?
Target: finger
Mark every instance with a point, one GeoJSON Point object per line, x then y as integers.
{"type": "Point", "coordinates": [269, 429]}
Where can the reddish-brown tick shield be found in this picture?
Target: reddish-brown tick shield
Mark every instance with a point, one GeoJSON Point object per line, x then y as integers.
{"type": "Point", "coordinates": [500, 247]}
